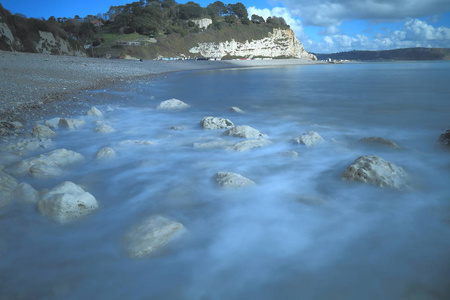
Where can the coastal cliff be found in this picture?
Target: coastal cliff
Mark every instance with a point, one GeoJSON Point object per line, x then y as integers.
{"type": "Point", "coordinates": [279, 43]}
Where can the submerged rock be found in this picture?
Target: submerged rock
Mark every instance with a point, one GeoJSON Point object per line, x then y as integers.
{"type": "Point", "coordinates": [444, 139]}
{"type": "Point", "coordinates": [71, 123]}
{"type": "Point", "coordinates": [130, 143]}
{"type": "Point", "coordinates": [26, 194]}
{"type": "Point", "coordinates": [309, 138]}
{"type": "Point", "coordinates": [172, 104]}
{"type": "Point", "coordinates": [244, 131]}
{"type": "Point", "coordinates": [8, 185]}
{"type": "Point", "coordinates": [45, 165]}
{"type": "Point", "coordinates": [379, 141]}
{"type": "Point", "coordinates": [247, 145]}
{"type": "Point", "coordinates": [25, 146]}
{"type": "Point", "coordinates": [216, 123]}
{"type": "Point", "coordinates": [106, 152]}
{"type": "Point", "coordinates": [214, 144]}
{"type": "Point", "coordinates": [229, 180]}
{"type": "Point", "coordinates": [94, 112]}
{"type": "Point", "coordinates": [43, 131]}
{"type": "Point", "coordinates": [105, 128]}
{"type": "Point", "coordinates": [151, 235]}
{"type": "Point", "coordinates": [66, 202]}
{"type": "Point", "coordinates": [376, 171]}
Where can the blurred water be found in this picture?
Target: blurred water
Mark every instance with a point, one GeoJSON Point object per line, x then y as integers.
{"type": "Point", "coordinates": [300, 233]}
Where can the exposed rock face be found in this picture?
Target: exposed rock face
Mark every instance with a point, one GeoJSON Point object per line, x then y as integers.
{"type": "Point", "coordinates": [172, 104]}
{"type": "Point", "coordinates": [248, 145]}
{"type": "Point", "coordinates": [376, 171]}
{"type": "Point", "coordinates": [229, 180]}
{"type": "Point", "coordinates": [245, 131]}
{"type": "Point", "coordinates": [7, 186]}
{"type": "Point", "coordinates": [216, 123]}
{"type": "Point", "coordinates": [45, 165]}
{"type": "Point", "coordinates": [281, 42]}
{"type": "Point", "coordinates": [8, 38]}
{"type": "Point", "coordinates": [309, 138]}
{"type": "Point", "coordinates": [444, 139]}
{"type": "Point", "coordinates": [379, 141]}
{"type": "Point", "coordinates": [203, 23]}
{"type": "Point", "coordinates": [152, 234]}
{"type": "Point", "coordinates": [42, 131]}
{"type": "Point", "coordinates": [66, 202]}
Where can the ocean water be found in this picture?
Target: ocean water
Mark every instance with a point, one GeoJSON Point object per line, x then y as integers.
{"type": "Point", "coordinates": [300, 233]}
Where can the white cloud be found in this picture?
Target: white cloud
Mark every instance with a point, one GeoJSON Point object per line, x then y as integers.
{"type": "Point", "coordinates": [334, 12]}
{"type": "Point", "coordinates": [415, 33]}
{"type": "Point", "coordinates": [283, 12]}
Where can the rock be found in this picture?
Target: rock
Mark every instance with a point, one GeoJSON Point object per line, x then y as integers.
{"type": "Point", "coordinates": [379, 141]}
{"type": "Point", "coordinates": [177, 128]}
{"type": "Point", "coordinates": [236, 109]}
{"type": "Point", "coordinates": [52, 123]}
{"type": "Point", "coordinates": [94, 112]}
{"type": "Point", "coordinates": [71, 123]}
{"type": "Point", "coordinates": [8, 185]}
{"type": "Point", "coordinates": [151, 235]}
{"type": "Point", "coordinates": [309, 138]}
{"type": "Point", "coordinates": [42, 131]}
{"type": "Point", "coordinates": [244, 131]}
{"type": "Point", "coordinates": [172, 104]}
{"type": "Point", "coordinates": [9, 128]}
{"type": "Point", "coordinates": [292, 154]}
{"type": "Point", "coordinates": [26, 194]}
{"type": "Point", "coordinates": [24, 146]}
{"type": "Point", "coordinates": [229, 180]}
{"type": "Point", "coordinates": [128, 143]}
{"type": "Point", "coordinates": [444, 139]}
{"type": "Point", "coordinates": [105, 152]}
{"type": "Point", "coordinates": [376, 171]}
{"type": "Point", "coordinates": [249, 144]}
{"type": "Point", "coordinates": [45, 165]}
{"type": "Point", "coordinates": [104, 129]}
{"type": "Point", "coordinates": [8, 158]}
{"type": "Point", "coordinates": [215, 144]}
{"type": "Point", "coordinates": [216, 123]}
{"type": "Point", "coordinates": [66, 202]}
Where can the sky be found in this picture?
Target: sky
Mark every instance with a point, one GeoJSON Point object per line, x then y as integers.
{"type": "Point", "coordinates": [323, 26]}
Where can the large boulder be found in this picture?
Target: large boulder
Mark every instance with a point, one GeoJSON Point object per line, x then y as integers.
{"type": "Point", "coordinates": [66, 202]}
{"type": "Point", "coordinates": [444, 139]}
{"type": "Point", "coordinates": [244, 131]}
{"type": "Point", "coordinates": [248, 145]}
{"type": "Point", "coordinates": [71, 123]}
{"type": "Point", "coordinates": [8, 185]}
{"type": "Point", "coordinates": [172, 104]}
{"type": "Point", "coordinates": [45, 165]}
{"type": "Point", "coordinates": [216, 123]}
{"type": "Point", "coordinates": [43, 131]}
{"type": "Point", "coordinates": [379, 141]}
{"type": "Point", "coordinates": [52, 123]}
{"type": "Point", "coordinates": [151, 235]}
{"type": "Point", "coordinates": [376, 171]}
{"type": "Point", "coordinates": [229, 180]}
{"type": "Point", "coordinates": [308, 139]}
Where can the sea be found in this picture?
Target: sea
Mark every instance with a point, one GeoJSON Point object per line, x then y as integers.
{"type": "Point", "coordinates": [301, 232]}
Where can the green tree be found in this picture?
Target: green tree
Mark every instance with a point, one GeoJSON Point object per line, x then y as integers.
{"type": "Point", "coordinates": [257, 19]}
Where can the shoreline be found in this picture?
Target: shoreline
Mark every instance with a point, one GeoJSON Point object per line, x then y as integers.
{"type": "Point", "coordinates": [39, 85]}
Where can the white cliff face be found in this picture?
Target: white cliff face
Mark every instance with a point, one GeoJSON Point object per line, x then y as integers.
{"type": "Point", "coordinates": [49, 42]}
{"type": "Point", "coordinates": [282, 42]}
{"type": "Point", "coordinates": [203, 23]}
{"type": "Point", "coordinates": [7, 36]}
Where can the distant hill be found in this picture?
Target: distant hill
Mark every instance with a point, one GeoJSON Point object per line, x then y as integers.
{"type": "Point", "coordinates": [397, 54]}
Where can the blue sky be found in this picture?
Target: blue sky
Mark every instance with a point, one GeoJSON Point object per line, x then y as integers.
{"type": "Point", "coordinates": [323, 26]}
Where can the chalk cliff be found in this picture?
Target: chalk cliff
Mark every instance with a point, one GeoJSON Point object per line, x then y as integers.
{"type": "Point", "coordinates": [279, 43]}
